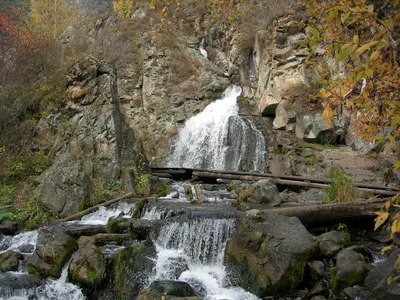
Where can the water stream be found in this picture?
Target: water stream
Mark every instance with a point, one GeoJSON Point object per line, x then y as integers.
{"type": "Point", "coordinates": [202, 50]}
{"type": "Point", "coordinates": [219, 139]}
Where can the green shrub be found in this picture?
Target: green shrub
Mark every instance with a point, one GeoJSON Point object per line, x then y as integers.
{"type": "Point", "coordinates": [342, 188]}
{"type": "Point", "coordinates": [310, 160]}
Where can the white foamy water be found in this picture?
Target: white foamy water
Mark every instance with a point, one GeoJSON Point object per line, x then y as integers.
{"type": "Point", "coordinates": [103, 214]}
{"type": "Point", "coordinates": [194, 252]}
{"type": "Point", "coordinates": [153, 213]}
{"type": "Point", "coordinates": [219, 139]}
{"type": "Point", "coordinates": [25, 242]}
{"type": "Point", "coordinates": [202, 50]}
{"type": "Point", "coordinates": [60, 289]}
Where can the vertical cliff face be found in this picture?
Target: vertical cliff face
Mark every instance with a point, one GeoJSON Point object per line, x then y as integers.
{"type": "Point", "coordinates": [91, 142]}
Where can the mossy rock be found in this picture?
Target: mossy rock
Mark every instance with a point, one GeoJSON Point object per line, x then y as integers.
{"type": "Point", "coordinates": [113, 225]}
{"type": "Point", "coordinates": [269, 256]}
{"type": "Point", "coordinates": [132, 266]}
{"type": "Point", "coordinates": [53, 249]}
{"type": "Point", "coordinates": [88, 265]}
{"type": "Point", "coordinates": [139, 208]}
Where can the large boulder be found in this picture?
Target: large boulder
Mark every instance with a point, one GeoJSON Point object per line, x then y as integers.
{"type": "Point", "coordinates": [170, 289]}
{"type": "Point", "coordinates": [88, 265]}
{"type": "Point", "coordinates": [132, 267]}
{"type": "Point", "coordinates": [350, 269]}
{"type": "Point", "coordinates": [268, 255]}
{"type": "Point", "coordinates": [313, 128]}
{"type": "Point", "coordinates": [264, 191]}
{"type": "Point", "coordinates": [377, 280]}
{"type": "Point", "coordinates": [53, 248]}
{"type": "Point", "coordinates": [9, 261]}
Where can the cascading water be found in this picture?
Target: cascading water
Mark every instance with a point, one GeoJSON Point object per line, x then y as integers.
{"type": "Point", "coordinates": [202, 50]}
{"type": "Point", "coordinates": [194, 252]}
{"type": "Point", "coordinates": [219, 139]}
{"type": "Point", "coordinates": [103, 214]}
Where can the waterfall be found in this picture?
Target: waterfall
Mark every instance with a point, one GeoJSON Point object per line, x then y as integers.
{"type": "Point", "coordinates": [219, 139]}
{"type": "Point", "coordinates": [202, 50]}
{"type": "Point", "coordinates": [193, 252]}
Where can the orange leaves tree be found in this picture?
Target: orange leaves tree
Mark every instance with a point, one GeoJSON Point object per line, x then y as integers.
{"type": "Point", "coordinates": [362, 72]}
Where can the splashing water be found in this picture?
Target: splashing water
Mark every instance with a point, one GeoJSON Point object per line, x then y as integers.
{"type": "Point", "coordinates": [194, 252]}
{"type": "Point", "coordinates": [60, 289]}
{"type": "Point", "coordinates": [103, 214]}
{"type": "Point", "coordinates": [24, 242]}
{"type": "Point", "coordinates": [219, 139]}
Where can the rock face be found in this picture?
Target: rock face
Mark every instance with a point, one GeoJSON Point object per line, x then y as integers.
{"type": "Point", "coordinates": [53, 248]}
{"type": "Point", "coordinates": [269, 256]}
{"type": "Point", "coordinates": [88, 264]}
{"type": "Point", "coordinates": [350, 269]}
{"type": "Point", "coordinates": [89, 143]}
{"type": "Point", "coordinates": [9, 261]}
{"type": "Point", "coordinates": [132, 266]}
{"type": "Point", "coordinates": [8, 227]}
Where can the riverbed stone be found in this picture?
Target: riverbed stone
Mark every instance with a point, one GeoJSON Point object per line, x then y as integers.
{"type": "Point", "coordinates": [8, 227]}
{"type": "Point", "coordinates": [350, 269]}
{"type": "Point", "coordinates": [53, 248]}
{"type": "Point", "coordinates": [270, 256]}
{"type": "Point", "coordinates": [171, 288]}
{"type": "Point", "coordinates": [355, 293]}
{"type": "Point", "coordinates": [331, 242]}
{"type": "Point", "coordinates": [88, 265]}
{"type": "Point", "coordinates": [133, 265]}
{"type": "Point", "coordinates": [313, 196]}
{"type": "Point", "coordinates": [9, 261]}
{"type": "Point", "coordinates": [264, 191]}
{"type": "Point", "coordinates": [316, 270]}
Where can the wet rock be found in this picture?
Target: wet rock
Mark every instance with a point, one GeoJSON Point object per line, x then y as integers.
{"type": "Point", "coordinates": [53, 248]}
{"type": "Point", "coordinates": [88, 266]}
{"type": "Point", "coordinates": [318, 289]}
{"type": "Point", "coordinates": [355, 293]}
{"type": "Point", "coordinates": [270, 256]}
{"type": "Point", "coordinates": [243, 206]}
{"type": "Point", "coordinates": [313, 196]}
{"type": "Point", "coordinates": [287, 196]}
{"type": "Point", "coordinates": [377, 280]}
{"type": "Point", "coordinates": [316, 270]}
{"type": "Point", "coordinates": [9, 261]}
{"type": "Point", "coordinates": [264, 191]}
{"type": "Point", "coordinates": [331, 242]}
{"type": "Point", "coordinates": [255, 215]}
{"type": "Point", "coordinates": [172, 288]}
{"type": "Point", "coordinates": [132, 267]}
{"type": "Point", "coordinates": [16, 284]}
{"type": "Point", "coordinates": [8, 227]}
{"type": "Point", "coordinates": [350, 269]}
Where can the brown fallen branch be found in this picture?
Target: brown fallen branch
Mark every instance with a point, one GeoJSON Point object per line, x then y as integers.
{"type": "Point", "coordinates": [277, 180]}
{"type": "Point", "coordinates": [93, 208]}
{"type": "Point", "coordinates": [201, 198]}
{"type": "Point", "coordinates": [333, 212]}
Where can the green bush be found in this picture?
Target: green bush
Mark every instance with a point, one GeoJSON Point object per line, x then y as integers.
{"type": "Point", "coordinates": [342, 188]}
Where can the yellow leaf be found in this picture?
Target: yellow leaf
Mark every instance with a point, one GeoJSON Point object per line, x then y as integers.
{"type": "Point", "coordinates": [327, 114]}
{"type": "Point", "coordinates": [396, 226]}
{"type": "Point", "coordinates": [386, 249]}
{"type": "Point", "coordinates": [381, 218]}
{"type": "Point", "coordinates": [389, 280]}
{"type": "Point", "coordinates": [397, 164]}
{"type": "Point", "coordinates": [387, 204]}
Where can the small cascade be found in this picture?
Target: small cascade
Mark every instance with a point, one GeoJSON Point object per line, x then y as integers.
{"type": "Point", "coordinates": [24, 243]}
{"type": "Point", "coordinates": [103, 214]}
{"type": "Point", "coordinates": [194, 252]}
{"type": "Point", "coordinates": [60, 289]}
{"type": "Point", "coordinates": [219, 139]}
{"type": "Point", "coordinates": [202, 50]}
{"type": "Point", "coordinates": [153, 214]}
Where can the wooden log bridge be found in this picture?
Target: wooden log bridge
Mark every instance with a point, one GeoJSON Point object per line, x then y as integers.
{"type": "Point", "coordinates": [298, 181]}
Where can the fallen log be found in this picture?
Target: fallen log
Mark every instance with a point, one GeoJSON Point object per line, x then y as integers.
{"type": "Point", "coordinates": [277, 180]}
{"type": "Point", "coordinates": [333, 212]}
{"type": "Point", "coordinates": [93, 208]}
